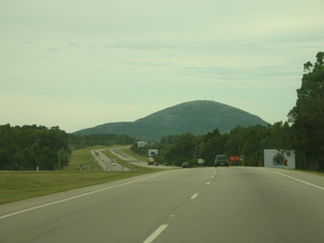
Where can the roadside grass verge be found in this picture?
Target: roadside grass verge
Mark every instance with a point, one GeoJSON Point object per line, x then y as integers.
{"type": "Point", "coordinates": [133, 154]}
{"type": "Point", "coordinates": [83, 157]}
{"type": "Point", "coordinates": [312, 172]}
{"type": "Point", "coordinates": [20, 185]}
{"type": "Point", "coordinates": [303, 171]}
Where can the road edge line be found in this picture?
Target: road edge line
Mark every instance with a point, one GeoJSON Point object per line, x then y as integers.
{"type": "Point", "coordinates": [296, 179]}
{"type": "Point", "coordinates": [301, 181]}
{"type": "Point", "coordinates": [74, 197]}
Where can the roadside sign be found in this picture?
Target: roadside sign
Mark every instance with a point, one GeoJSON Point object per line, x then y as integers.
{"type": "Point", "coordinates": [234, 158]}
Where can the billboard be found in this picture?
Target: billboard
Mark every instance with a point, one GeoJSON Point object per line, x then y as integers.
{"type": "Point", "coordinates": [279, 158]}
{"type": "Point", "coordinates": [152, 152]}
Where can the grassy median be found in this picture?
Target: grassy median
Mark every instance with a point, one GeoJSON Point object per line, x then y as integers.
{"type": "Point", "coordinates": [26, 184]}
{"type": "Point", "coordinates": [133, 154]}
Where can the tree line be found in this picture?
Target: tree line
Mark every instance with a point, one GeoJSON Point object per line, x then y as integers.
{"type": "Point", "coordinates": [31, 147]}
{"type": "Point", "coordinates": [248, 143]}
{"type": "Point", "coordinates": [303, 132]}
{"type": "Point", "coordinates": [307, 117]}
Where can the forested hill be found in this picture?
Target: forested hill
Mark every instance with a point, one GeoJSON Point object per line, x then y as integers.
{"type": "Point", "coordinates": [196, 117]}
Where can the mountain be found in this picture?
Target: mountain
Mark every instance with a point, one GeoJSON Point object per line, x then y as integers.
{"type": "Point", "coordinates": [196, 117]}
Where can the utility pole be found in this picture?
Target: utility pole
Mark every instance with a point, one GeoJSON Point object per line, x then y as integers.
{"type": "Point", "coordinates": [59, 159]}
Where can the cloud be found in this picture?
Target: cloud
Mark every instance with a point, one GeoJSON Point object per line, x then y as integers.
{"type": "Point", "coordinates": [31, 43]}
{"type": "Point", "coordinates": [54, 49]}
{"type": "Point", "coordinates": [309, 35]}
{"type": "Point", "coordinates": [72, 44]}
{"type": "Point", "coordinates": [228, 73]}
{"type": "Point", "coordinates": [139, 45]}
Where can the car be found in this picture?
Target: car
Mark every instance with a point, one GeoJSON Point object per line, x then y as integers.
{"type": "Point", "coordinates": [185, 165]}
{"type": "Point", "coordinates": [221, 160]}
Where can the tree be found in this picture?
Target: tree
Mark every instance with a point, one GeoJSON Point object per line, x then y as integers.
{"type": "Point", "coordinates": [27, 147]}
{"type": "Point", "coordinates": [307, 117]}
{"type": "Point", "coordinates": [183, 150]}
{"type": "Point", "coordinates": [211, 144]}
{"type": "Point", "coordinates": [308, 66]}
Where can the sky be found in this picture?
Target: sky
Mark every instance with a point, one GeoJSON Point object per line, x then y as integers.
{"type": "Point", "coordinates": [80, 63]}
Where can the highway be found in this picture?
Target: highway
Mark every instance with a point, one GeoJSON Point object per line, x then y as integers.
{"type": "Point", "coordinates": [106, 163]}
{"type": "Point", "coordinates": [117, 151]}
{"type": "Point", "coordinates": [235, 204]}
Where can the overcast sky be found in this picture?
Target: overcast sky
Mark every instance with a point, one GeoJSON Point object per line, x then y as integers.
{"type": "Point", "coordinates": [81, 63]}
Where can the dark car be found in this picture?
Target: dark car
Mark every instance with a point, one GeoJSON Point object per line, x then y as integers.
{"type": "Point", "coordinates": [221, 160]}
{"type": "Point", "coordinates": [185, 165]}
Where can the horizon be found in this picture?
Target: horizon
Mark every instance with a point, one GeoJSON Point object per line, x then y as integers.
{"type": "Point", "coordinates": [147, 115]}
{"type": "Point", "coordinates": [80, 64]}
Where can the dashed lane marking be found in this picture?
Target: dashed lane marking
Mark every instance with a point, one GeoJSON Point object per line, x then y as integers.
{"type": "Point", "coordinates": [156, 233]}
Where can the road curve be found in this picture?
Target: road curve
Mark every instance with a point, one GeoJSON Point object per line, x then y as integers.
{"type": "Point", "coordinates": [233, 204]}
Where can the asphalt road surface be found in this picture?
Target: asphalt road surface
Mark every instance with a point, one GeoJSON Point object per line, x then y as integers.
{"type": "Point", "coordinates": [203, 205]}
{"type": "Point", "coordinates": [117, 151]}
{"type": "Point", "coordinates": [106, 163]}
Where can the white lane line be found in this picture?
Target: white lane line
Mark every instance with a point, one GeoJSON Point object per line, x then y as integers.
{"type": "Point", "coordinates": [73, 197]}
{"type": "Point", "coordinates": [156, 233]}
{"type": "Point", "coordinates": [299, 180]}
{"type": "Point", "coordinates": [194, 196]}
{"type": "Point", "coordinates": [208, 182]}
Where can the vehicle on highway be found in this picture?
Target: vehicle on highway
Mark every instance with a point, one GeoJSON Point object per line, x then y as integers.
{"type": "Point", "coordinates": [150, 161]}
{"type": "Point", "coordinates": [185, 165]}
{"type": "Point", "coordinates": [221, 160]}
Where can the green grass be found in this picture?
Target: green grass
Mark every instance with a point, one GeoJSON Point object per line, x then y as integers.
{"type": "Point", "coordinates": [312, 172]}
{"type": "Point", "coordinates": [134, 155]}
{"type": "Point", "coordinates": [304, 171]}
{"type": "Point", "coordinates": [85, 158]}
{"type": "Point", "coordinates": [16, 186]}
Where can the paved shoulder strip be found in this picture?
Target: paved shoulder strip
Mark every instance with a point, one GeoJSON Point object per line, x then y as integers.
{"type": "Point", "coordinates": [301, 181]}
{"type": "Point", "coordinates": [296, 179]}
{"type": "Point", "coordinates": [74, 197]}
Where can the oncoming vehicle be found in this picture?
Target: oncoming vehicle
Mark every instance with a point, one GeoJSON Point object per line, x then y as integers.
{"type": "Point", "coordinates": [221, 160]}
{"type": "Point", "coordinates": [150, 161]}
{"type": "Point", "coordinates": [185, 165]}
